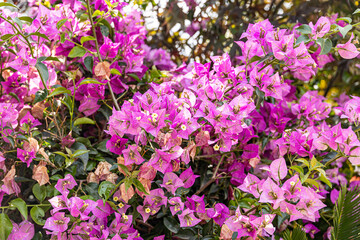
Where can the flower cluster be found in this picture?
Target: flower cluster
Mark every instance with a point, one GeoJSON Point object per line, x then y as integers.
{"type": "Point", "coordinates": [138, 147]}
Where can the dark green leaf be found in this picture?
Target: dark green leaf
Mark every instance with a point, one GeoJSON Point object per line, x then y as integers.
{"type": "Point", "coordinates": [171, 224]}
{"type": "Point", "coordinates": [5, 226]}
{"type": "Point", "coordinates": [43, 71]}
{"type": "Point", "coordinates": [89, 63]}
{"type": "Point", "coordinates": [39, 192]}
{"type": "Point", "coordinates": [40, 96]}
{"type": "Point", "coordinates": [105, 189]}
{"type": "Point", "coordinates": [21, 206]}
{"type": "Point", "coordinates": [84, 157]}
{"type": "Point", "coordinates": [37, 213]}
{"type": "Point", "coordinates": [77, 51]}
{"type": "Point", "coordinates": [80, 152]}
{"type": "Point", "coordinates": [134, 76]}
{"type": "Point", "coordinates": [302, 38]}
{"type": "Point", "coordinates": [234, 236]}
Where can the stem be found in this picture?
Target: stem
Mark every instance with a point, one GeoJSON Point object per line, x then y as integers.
{"type": "Point", "coordinates": [332, 160]}
{"type": "Point", "coordinates": [213, 178]}
{"type": "Point", "coordinates": [98, 53]}
{"type": "Point", "coordinates": [31, 205]}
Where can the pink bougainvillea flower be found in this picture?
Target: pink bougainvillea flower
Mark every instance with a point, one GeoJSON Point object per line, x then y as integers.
{"type": "Point", "coordinates": [188, 219]}
{"type": "Point", "coordinates": [57, 223]}
{"type": "Point", "coordinates": [24, 231]}
{"type": "Point", "coordinates": [219, 213]}
{"type": "Point", "coordinates": [132, 155]}
{"type": "Point", "coordinates": [177, 205]}
{"type": "Point", "coordinates": [348, 50]}
{"type": "Point", "coordinates": [63, 185]}
{"type": "Point", "coordinates": [171, 182]}
{"type": "Point", "coordinates": [25, 156]}
{"type": "Point", "coordinates": [116, 144]}
{"type": "Point", "coordinates": [321, 27]}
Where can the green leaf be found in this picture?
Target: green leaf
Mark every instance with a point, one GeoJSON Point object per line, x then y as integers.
{"type": "Point", "coordinates": [234, 235]}
{"type": "Point", "coordinates": [304, 29]}
{"type": "Point", "coordinates": [344, 30]}
{"type": "Point", "coordinates": [105, 189]}
{"type": "Point", "coordinates": [5, 226]}
{"type": "Point", "coordinates": [115, 71]}
{"type": "Point", "coordinates": [39, 192]}
{"type": "Point", "coordinates": [60, 23]}
{"type": "Point", "coordinates": [139, 186]}
{"type": "Point", "coordinates": [40, 96]}
{"type": "Point", "coordinates": [134, 76]}
{"type": "Point", "coordinates": [325, 44]}
{"type": "Point", "coordinates": [39, 35]}
{"type": "Point", "coordinates": [62, 37]}
{"type": "Point", "coordinates": [312, 182]}
{"type": "Point", "coordinates": [80, 152]}
{"type": "Point", "coordinates": [346, 19]}
{"type": "Point", "coordinates": [90, 80]}
{"type": "Point", "coordinates": [325, 180]}
{"type": "Point", "coordinates": [302, 38]}
{"type": "Point", "coordinates": [77, 51]}
{"type": "Point", "coordinates": [346, 219]}
{"type": "Point", "coordinates": [37, 213]}
{"type": "Point", "coordinates": [86, 38]}
{"type": "Point", "coordinates": [5, 4]}
{"type": "Point", "coordinates": [6, 36]}
{"type": "Point", "coordinates": [58, 91]}
{"type": "Point", "coordinates": [26, 19]}
{"type": "Point", "coordinates": [171, 224]}
{"type": "Point", "coordinates": [43, 71]}
{"type": "Point", "coordinates": [84, 120]}
{"type": "Point", "coordinates": [124, 168]}
{"type": "Point", "coordinates": [84, 157]}
{"type": "Point", "coordinates": [21, 206]}
{"type": "Point", "coordinates": [89, 63]}
{"type": "Point", "coordinates": [297, 169]}
{"type": "Point", "coordinates": [356, 11]}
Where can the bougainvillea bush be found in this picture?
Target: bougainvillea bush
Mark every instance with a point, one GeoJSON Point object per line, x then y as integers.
{"type": "Point", "coordinates": [103, 137]}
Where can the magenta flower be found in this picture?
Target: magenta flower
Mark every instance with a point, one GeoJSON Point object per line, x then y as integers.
{"type": "Point", "coordinates": [321, 27]}
{"type": "Point", "coordinates": [57, 223]}
{"type": "Point", "coordinates": [63, 185]}
{"type": "Point", "coordinates": [24, 231]}
{"type": "Point", "coordinates": [171, 182]}
{"type": "Point", "coordinates": [188, 177]}
{"type": "Point", "coordinates": [77, 207]}
{"type": "Point", "coordinates": [311, 230]}
{"type": "Point", "coordinates": [219, 213]}
{"type": "Point", "coordinates": [278, 169]}
{"type": "Point", "coordinates": [348, 50]}
{"type": "Point", "coordinates": [272, 193]}
{"type": "Point", "coordinates": [188, 219]}
{"type": "Point", "coordinates": [116, 144]}
{"type": "Point", "coordinates": [25, 156]}
{"type": "Point", "coordinates": [177, 205]}
{"type": "Point", "coordinates": [131, 155]}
